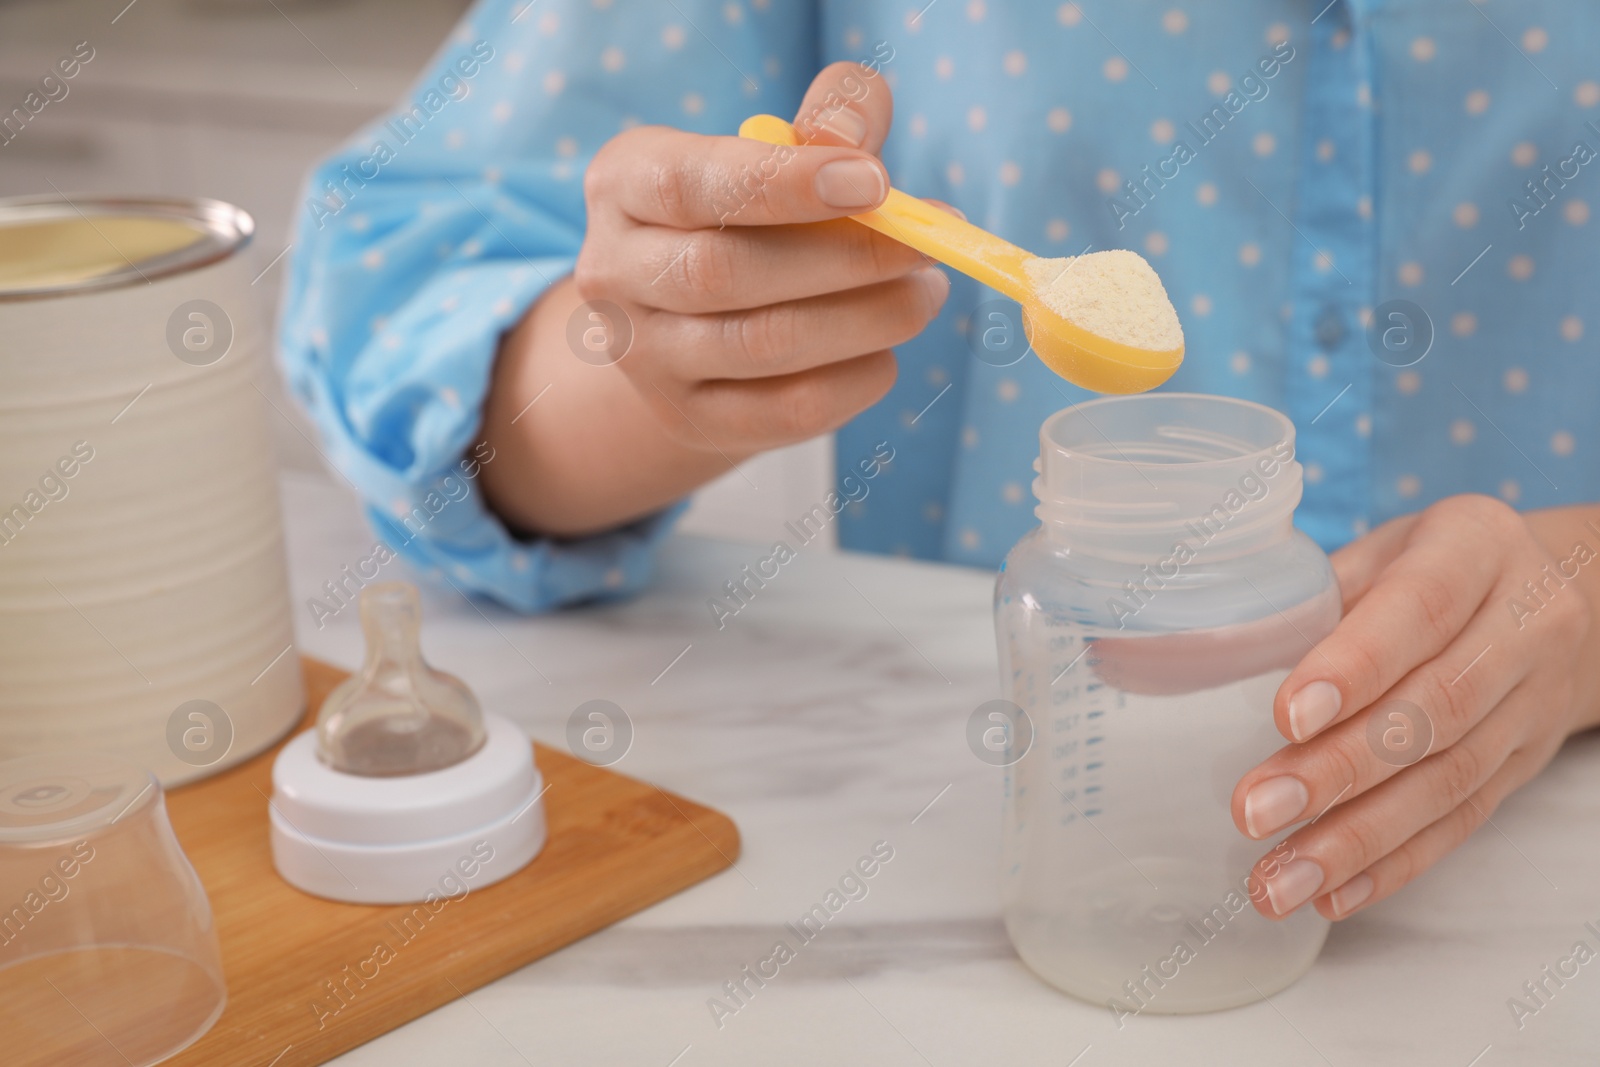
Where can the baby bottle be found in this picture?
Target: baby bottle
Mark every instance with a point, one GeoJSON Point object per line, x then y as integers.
{"type": "Point", "coordinates": [1144, 628]}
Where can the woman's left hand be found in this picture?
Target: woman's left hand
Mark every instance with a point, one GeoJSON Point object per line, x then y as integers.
{"type": "Point", "coordinates": [1450, 682]}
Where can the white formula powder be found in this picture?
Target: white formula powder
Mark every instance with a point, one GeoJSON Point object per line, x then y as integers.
{"type": "Point", "coordinates": [1113, 294]}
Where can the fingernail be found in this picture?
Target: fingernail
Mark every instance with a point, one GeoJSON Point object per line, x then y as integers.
{"type": "Point", "coordinates": [1274, 803]}
{"type": "Point", "coordinates": [1351, 895]}
{"type": "Point", "coordinates": [1295, 884]}
{"type": "Point", "coordinates": [851, 183]}
{"type": "Point", "coordinates": [846, 125]}
{"type": "Point", "coordinates": [1313, 708]}
{"type": "Point", "coordinates": [935, 282]}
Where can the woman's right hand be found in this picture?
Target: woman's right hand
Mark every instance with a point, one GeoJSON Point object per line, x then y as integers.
{"type": "Point", "coordinates": [761, 316]}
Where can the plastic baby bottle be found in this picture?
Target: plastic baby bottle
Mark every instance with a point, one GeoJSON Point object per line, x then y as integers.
{"type": "Point", "coordinates": [1144, 628]}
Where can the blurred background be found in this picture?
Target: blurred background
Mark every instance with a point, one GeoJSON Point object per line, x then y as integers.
{"type": "Point", "coordinates": [234, 100]}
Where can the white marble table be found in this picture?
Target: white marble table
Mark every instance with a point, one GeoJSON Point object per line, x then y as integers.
{"type": "Point", "coordinates": [824, 718]}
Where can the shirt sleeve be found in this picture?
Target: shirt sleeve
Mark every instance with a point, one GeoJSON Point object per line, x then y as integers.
{"type": "Point", "coordinates": [428, 235]}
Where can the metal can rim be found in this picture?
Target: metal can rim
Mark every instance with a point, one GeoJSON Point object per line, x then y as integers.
{"type": "Point", "coordinates": [225, 229]}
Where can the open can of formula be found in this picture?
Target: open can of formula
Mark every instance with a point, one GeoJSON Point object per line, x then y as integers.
{"type": "Point", "coordinates": [144, 600]}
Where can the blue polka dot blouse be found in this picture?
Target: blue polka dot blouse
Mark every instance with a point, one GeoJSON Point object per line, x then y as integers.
{"type": "Point", "coordinates": [1372, 215]}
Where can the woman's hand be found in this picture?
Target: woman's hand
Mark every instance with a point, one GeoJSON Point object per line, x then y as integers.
{"type": "Point", "coordinates": [1466, 656]}
{"type": "Point", "coordinates": [760, 316]}
{"type": "Point", "coordinates": [755, 326]}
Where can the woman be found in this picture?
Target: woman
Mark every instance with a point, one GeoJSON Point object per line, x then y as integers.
{"type": "Point", "coordinates": [1296, 175]}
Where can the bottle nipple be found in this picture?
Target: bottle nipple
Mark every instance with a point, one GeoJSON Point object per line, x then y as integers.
{"type": "Point", "coordinates": [397, 715]}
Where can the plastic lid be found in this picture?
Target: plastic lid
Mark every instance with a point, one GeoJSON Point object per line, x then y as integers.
{"type": "Point", "coordinates": [58, 795]}
{"type": "Point", "coordinates": [108, 953]}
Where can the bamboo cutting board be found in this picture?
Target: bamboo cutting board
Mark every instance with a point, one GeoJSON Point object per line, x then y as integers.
{"type": "Point", "coordinates": [616, 845]}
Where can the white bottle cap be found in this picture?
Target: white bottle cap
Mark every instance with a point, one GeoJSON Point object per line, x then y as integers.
{"type": "Point", "coordinates": [396, 840]}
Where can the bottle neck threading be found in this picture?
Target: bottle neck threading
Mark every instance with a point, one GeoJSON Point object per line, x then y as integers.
{"type": "Point", "coordinates": [1139, 479]}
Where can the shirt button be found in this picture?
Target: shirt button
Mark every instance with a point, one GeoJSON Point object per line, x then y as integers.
{"type": "Point", "coordinates": [1330, 328]}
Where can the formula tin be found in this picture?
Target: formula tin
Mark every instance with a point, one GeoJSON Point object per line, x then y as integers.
{"type": "Point", "coordinates": [144, 601]}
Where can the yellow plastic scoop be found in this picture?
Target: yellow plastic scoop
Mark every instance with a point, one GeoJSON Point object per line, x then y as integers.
{"type": "Point", "coordinates": [1081, 357]}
